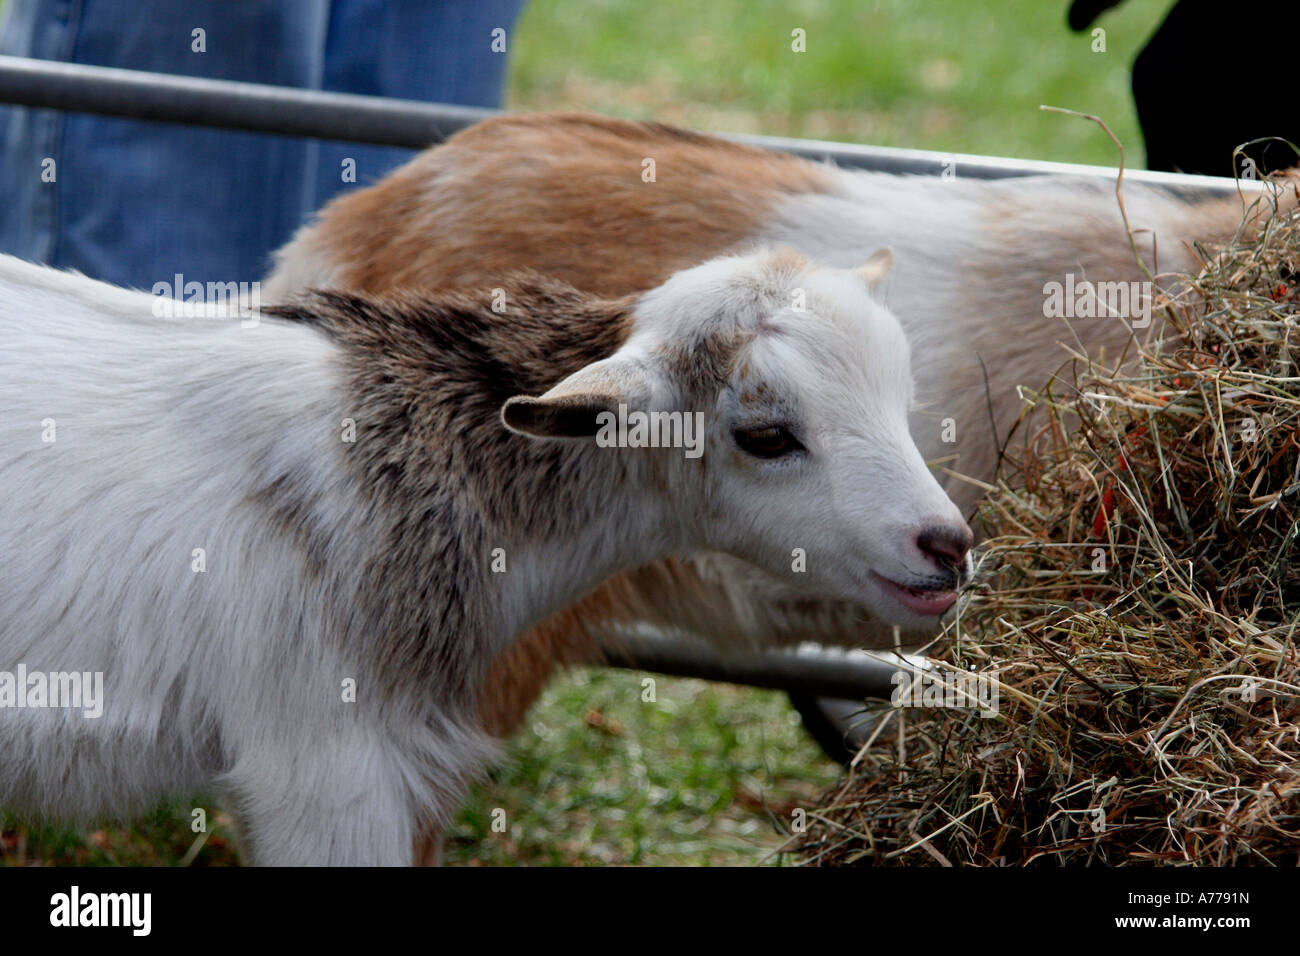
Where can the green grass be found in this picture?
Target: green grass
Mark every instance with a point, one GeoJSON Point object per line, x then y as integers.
{"type": "Point", "coordinates": [949, 75]}
{"type": "Point", "coordinates": [162, 838]}
{"type": "Point", "coordinates": [705, 774]}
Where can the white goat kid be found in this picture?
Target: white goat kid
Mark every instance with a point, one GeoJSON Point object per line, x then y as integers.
{"type": "Point", "coordinates": [293, 548]}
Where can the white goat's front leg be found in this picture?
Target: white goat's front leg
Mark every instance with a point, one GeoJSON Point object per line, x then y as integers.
{"type": "Point", "coordinates": [326, 801]}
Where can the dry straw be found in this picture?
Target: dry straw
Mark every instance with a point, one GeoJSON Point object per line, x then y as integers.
{"type": "Point", "coordinates": [1138, 606]}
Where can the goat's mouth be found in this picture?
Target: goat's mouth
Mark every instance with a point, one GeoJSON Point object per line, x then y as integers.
{"type": "Point", "coordinates": [930, 602]}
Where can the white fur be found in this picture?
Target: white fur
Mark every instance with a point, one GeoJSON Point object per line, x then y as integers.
{"type": "Point", "coordinates": [856, 503]}
{"type": "Point", "coordinates": [216, 680]}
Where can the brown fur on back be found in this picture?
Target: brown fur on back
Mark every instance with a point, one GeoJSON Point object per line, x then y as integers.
{"type": "Point", "coordinates": [421, 227]}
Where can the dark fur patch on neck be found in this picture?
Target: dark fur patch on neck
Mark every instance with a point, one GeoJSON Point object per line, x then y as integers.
{"type": "Point", "coordinates": [546, 329]}
{"type": "Point", "coordinates": [427, 375]}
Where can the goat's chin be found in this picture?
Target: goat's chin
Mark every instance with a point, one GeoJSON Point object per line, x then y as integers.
{"type": "Point", "coordinates": [850, 607]}
{"type": "Point", "coordinates": [881, 605]}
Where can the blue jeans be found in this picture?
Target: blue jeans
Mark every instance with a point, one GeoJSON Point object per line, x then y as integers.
{"type": "Point", "coordinates": [134, 202]}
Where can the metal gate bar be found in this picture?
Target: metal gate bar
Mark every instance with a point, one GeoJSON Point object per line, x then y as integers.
{"type": "Point", "coordinates": [254, 107]}
{"type": "Point", "coordinates": [822, 672]}
{"type": "Point", "coordinates": [284, 110]}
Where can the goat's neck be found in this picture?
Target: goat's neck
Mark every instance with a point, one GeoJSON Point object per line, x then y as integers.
{"type": "Point", "coordinates": [577, 535]}
{"type": "Point", "coordinates": [475, 532]}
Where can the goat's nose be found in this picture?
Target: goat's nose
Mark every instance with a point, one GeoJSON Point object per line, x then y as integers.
{"type": "Point", "coordinates": [946, 545]}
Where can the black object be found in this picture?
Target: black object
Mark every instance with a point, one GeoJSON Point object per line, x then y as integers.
{"type": "Point", "coordinates": [839, 726]}
{"type": "Point", "coordinates": [1083, 12]}
{"type": "Point", "coordinates": [1215, 77]}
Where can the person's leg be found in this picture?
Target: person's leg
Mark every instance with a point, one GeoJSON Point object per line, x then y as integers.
{"type": "Point", "coordinates": [430, 50]}
{"type": "Point", "coordinates": [134, 202]}
{"type": "Point", "coordinates": [29, 138]}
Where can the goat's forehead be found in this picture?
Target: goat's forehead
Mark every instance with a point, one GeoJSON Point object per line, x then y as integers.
{"type": "Point", "coordinates": [774, 315]}
{"type": "Point", "coordinates": [724, 303]}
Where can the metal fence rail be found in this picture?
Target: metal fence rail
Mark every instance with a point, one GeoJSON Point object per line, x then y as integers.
{"type": "Point", "coordinates": [255, 107]}
{"type": "Point", "coordinates": [288, 111]}
{"type": "Point", "coordinates": [281, 110]}
{"type": "Point", "coordinates": [823, 672]}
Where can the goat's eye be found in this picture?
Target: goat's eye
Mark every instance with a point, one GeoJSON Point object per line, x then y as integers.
{"type": "Point", "coordinates": [774, 441]}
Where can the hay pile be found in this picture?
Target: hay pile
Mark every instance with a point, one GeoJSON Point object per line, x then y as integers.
{"type": "Point", "coordinates": [1140, 611]}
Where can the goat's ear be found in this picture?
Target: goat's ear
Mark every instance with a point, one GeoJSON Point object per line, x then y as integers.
{"type": "Point", "coordinates": [878, 265]}
{"type": "Point", "coordinates": [572, 409]}
{"type": "Point", "coordinates": [569, 416]}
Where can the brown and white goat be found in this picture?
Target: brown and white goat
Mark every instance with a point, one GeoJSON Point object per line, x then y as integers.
{"type": "Point", "coordinates": [979, 264]}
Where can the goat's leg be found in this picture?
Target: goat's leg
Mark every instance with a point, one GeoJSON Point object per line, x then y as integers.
{"type": "Point", "coordinates": [321, 805]}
